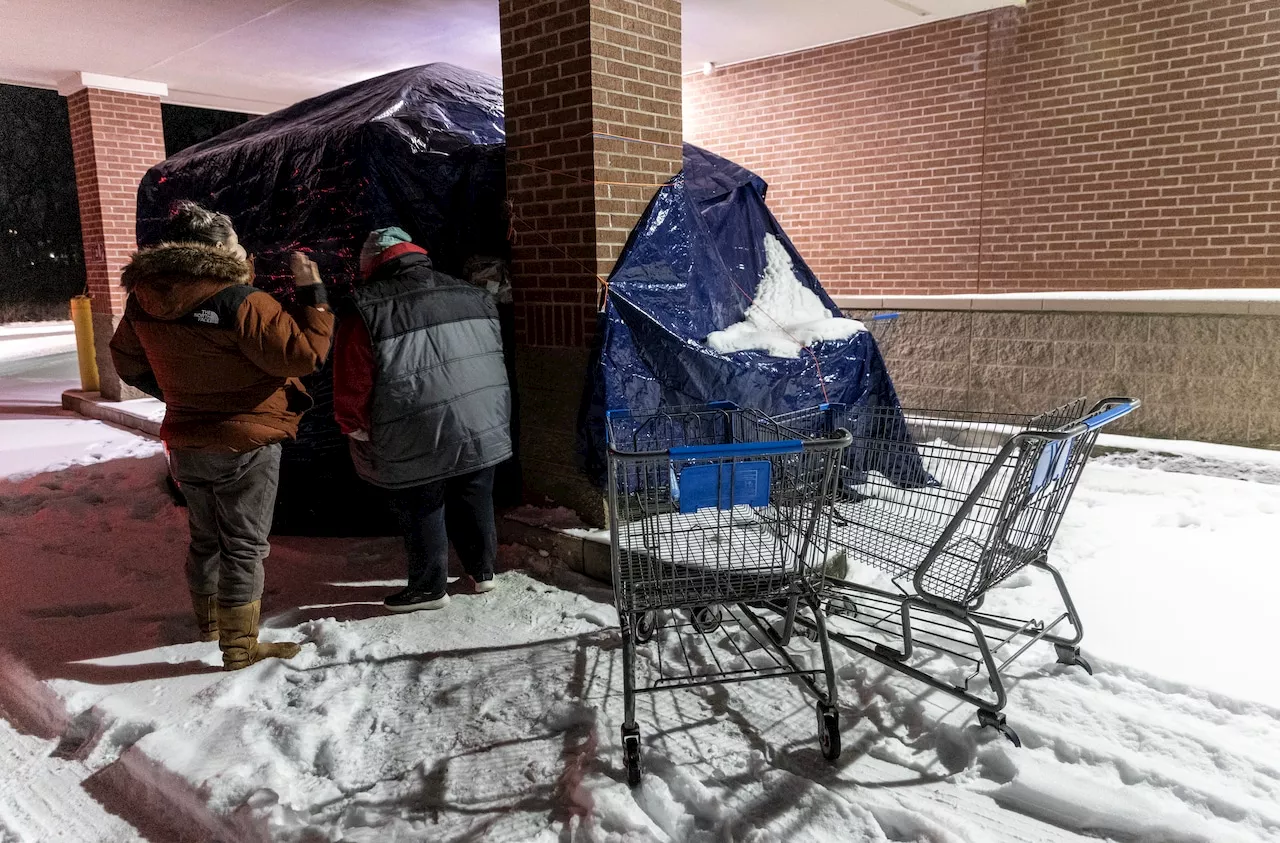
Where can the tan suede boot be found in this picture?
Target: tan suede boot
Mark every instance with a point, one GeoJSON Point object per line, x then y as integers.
{"type": "Point", "coordinates": [206, 607]}
{"type": "Point", "coordinates": [238, 638]}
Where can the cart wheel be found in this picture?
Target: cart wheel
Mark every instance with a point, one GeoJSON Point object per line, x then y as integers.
{"type": "Point", "coordinates": [706, 618]}
{"type": "Point", "coordinates": [829, 731]}
{"type": "Point", "coordinates": [996, 721]}
{"type": "Point", "coordinates": [631, 754]}
{"type": "Point", "coordinates": [645, 625]}
{"type": "Point", "coordinates": [1071, 656]}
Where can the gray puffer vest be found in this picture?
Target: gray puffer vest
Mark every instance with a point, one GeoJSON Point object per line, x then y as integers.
{"type": "Point", "coordinates": [441, 404]}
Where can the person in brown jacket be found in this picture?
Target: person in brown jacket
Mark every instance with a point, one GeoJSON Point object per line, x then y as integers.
{"type": "Point", "coordinates": [225, 358]}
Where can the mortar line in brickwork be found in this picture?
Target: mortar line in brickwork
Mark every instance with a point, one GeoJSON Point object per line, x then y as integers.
{"type": "Point", "coordinates": [602, 136]}
{"type": "Point", "coordinates": [608, 136]}
{"type": "Point", "coordinates": [582, 180]}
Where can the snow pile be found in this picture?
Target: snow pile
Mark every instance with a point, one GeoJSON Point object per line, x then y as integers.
{"type": "Point", "coordinates": [785, 316]}
{"type": "Point", "coordinates": [32, 446]}
{"type": "Point", "coordinates": [23, 340]}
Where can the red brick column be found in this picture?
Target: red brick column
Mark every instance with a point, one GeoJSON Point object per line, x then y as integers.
{"type": "Point", "coordinates": [116, 136]}
{"type": "Point", "coordinates": [593, 105]}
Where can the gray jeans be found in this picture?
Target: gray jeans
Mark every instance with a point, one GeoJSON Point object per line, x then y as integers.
{"type": "Point", "coordinates": [230, 501]}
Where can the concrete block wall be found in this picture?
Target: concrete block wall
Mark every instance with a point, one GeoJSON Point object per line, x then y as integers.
{"type": "Point", "coordinates": [1211, 377]}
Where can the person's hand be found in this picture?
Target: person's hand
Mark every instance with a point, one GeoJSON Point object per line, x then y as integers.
{"type": "Point", "coordinates": [305, 271]}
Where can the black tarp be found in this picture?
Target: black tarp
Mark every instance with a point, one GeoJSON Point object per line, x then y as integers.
{"type": "Point", "coordinates": [420, 148]}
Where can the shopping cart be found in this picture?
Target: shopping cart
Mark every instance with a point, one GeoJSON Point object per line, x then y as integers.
{"type": "Point", "coordinates": [988, 495]}
{"type": "Point", "coordinates": [715, 511]}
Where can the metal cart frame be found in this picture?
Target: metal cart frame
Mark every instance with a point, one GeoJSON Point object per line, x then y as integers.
{"type": "Point", "coordinates": [1005, 485]}
{"type": "Point", "coordinates": [714, 512]}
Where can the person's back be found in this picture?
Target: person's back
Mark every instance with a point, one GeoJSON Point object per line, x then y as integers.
{"type": "Point", "coordinates": [225, 358]}
{"type": "Point", "coordinates": [420, 386]}
{"type": "Point", "coordinates": [224, 355]}
{"type": "Point", "coordinates": [441, 406]}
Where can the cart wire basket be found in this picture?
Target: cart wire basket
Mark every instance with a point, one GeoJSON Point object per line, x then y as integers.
{"type": "Point", "coordinates": [974, 499]}
{"type": "Point", "coordinates": [714, 512]}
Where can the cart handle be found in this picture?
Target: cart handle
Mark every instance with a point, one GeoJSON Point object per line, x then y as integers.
{"type": "Point", "coordinates": [1105, 411]}
{"type": "Point", "coordinates": [1115, 408]}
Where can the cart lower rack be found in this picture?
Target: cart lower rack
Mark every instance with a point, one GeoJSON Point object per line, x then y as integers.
{"type": "Point", "coordinates": [715, 511]}
{"type": "Point", "coordinates": [991, 493]}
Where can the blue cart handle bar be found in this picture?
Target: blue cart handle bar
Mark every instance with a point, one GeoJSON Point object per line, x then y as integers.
{"type": "Point", "coordinates": [1105, 412]}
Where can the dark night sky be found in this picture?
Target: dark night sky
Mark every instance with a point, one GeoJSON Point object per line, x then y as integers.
{"type": "Point", "coordinates": [40, 252]}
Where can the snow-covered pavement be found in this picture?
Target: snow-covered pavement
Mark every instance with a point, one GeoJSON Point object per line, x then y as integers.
{"type": "Point", "coordinates": [498, 718]}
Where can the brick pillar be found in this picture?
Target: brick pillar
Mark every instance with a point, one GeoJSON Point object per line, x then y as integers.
{"type": "Point", "coordinates": [593, 105]}
{"type": "Point", "coordinates": [116, 136]}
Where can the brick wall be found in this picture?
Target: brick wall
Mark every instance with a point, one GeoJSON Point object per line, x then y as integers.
{"type": "Point", "coordinates": [546, 59]}
{"type": "Point", "coordinates": [1074, 144]}
{"type": "Point", "coordinates": [592, 91]}
{"type": "Point", "coordinates": [579, 76]}
{"type": "Point", "coordinates": [1209, 377]}
{"type": "Point", "coordinates": [637, 96]}
{"type": "Point", "coordinates": [115, 138]}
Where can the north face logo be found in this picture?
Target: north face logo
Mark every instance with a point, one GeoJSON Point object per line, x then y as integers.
{"type": "Point", "coordinates": [208, 317]}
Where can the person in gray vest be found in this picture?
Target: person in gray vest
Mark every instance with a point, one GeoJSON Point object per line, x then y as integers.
{"type": "Point", "coordinates": [420, 388]}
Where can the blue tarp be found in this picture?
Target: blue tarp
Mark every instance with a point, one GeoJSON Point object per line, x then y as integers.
{"type": "Point", "coordinates": [693, 260]}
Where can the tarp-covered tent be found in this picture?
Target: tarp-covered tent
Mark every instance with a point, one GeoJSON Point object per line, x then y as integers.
{"type": "Point", "coordinates": [424, 149]}
{"type": "Point", "coordinates": [691, 267]}
{"type": "Point", "coordinates": [421, 148]}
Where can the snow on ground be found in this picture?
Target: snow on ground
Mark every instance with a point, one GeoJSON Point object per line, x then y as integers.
{"type": "Point", "coordinates": [22, 340]}
{"type": "Point", "coordinates": [36, 434]}
{"type": "Point", "coordinates": [785, 316]}
{"type": "Point", "coordinates": [498, 718]}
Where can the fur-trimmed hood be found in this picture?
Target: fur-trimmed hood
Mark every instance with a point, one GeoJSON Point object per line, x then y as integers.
{"type": "Point", "coordinates": [169, 280]}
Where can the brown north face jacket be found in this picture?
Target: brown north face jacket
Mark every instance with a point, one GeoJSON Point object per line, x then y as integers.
{"type": "Point", "coordinates": [223, 356]}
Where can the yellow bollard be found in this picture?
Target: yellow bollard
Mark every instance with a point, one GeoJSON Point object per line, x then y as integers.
{"type": "Point", "coordinates": [82, 318]}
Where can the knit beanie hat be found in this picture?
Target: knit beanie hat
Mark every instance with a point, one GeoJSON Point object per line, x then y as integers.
{"type": "Point", "coordinates": [378, 241]}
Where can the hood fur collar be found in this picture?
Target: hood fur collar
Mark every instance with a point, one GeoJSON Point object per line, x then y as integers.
{"type": "Point", "coordinates": [178, 263]}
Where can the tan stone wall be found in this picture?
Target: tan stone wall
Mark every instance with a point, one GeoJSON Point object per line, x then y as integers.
{"type": "Point", "coordinates": [1208, 377]}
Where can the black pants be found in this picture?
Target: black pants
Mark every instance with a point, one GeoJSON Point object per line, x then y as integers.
{"type": "Point", "coordinates": [459, 510]}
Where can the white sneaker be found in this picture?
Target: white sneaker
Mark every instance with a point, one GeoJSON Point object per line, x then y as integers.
{"type": "Point", "coordinates": [484, 586]}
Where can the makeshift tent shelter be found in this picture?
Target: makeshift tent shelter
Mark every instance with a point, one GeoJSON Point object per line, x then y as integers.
{"type": "Point", "coordinates": [692, 267]}
{"type": "Point", "coordinates": [420, 148]}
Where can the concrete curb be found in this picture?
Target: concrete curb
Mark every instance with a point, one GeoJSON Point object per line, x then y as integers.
{"type": "Point", "coordinates": [134, 415]}
{"type": "Point", "coordinates": [579, 549]}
